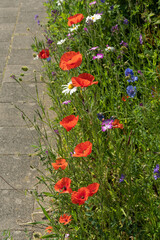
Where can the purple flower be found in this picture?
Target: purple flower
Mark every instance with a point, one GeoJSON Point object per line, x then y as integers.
{"type": "Point", "coordinates": [140, 39]}
{"type": "Point", "coordinates": [85, 29]}
{"type": "Point", "coordinates": [99, 55]}
{"type": "Point", "coordinates": [124, 43]}
{"type": "Point", "coordinates": [36, 16]}
{"type": "Point", "coordinates": [56, 131]}
{"type": "Point", "coordinates": [129, 73]}
{"type": "Point", "coordinates": [114, 28]}
{"type": "Point", "coordinates": [122, 178]}
{"type": "Point", "coordinates": [93, 48]}
{"type": "Point", "coordinates": [141, 104]}
{"type": "Point", "coordinates": [131, 91]}
{"type": "Point", "coordinates": [53, 73]}
{"type": "Point", "coordinates": [66, 102]}
{"type": "Point", "coordinates": [125, 21]}
{"type": "Point", "coordinates": [139, 71]}
{"type": "Point", "coordinates": [46, 152]}
{"type": "Point", "coordinates": [107, 124]}
{"type": "Point", "coordinates": [103, 1]}
{"type": "Point", "coordinates": [38, 22]}
{"type": "Point", "coordinates": [48, 59]}
{"type": "Point", "coordinates": [92, 3]}
{"type": "Point", "coordinates": [156, 171]}
{"type": "Point", "coordinates": [49, 41]}
{"type": "Point", "coordinates": [112, 7]}
{"type": "Point", "coordinates": [13, 76]}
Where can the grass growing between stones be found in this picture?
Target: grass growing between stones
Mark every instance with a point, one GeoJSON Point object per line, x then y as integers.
{"type": "Point", "coordinates": [101, 63]}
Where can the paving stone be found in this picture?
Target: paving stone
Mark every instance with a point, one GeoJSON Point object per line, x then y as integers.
{"type": "Point", "coordinates": [6, 35]}
{"type": "Point", "coordinates": [16, 171]}
{"type": "Point", "coordinates": [9, 3]}
{"type": "Point", "coordinates": [12, 117]}
{"type": "Point", "coordinates": [28, 75]}
{"type": "Point", "coordinates": [21, 56]}
{"type": "Point", "coordinates": [22, 41]}
{"type": "Point", "coordinates": [7, 19]}
{"type": "Point", "coordinates": [10, 12]}
{"type": "Point", "coordinates": [29, 16]}
{"type": "Point", "coordinates": [19, 235]}
{"type": "Point", "coordinates": [36, 5]}
{"type": "Point", "coordinates": [17, 207]}
{"type": "Point", "coordinates": [13, 92]}
{"type": "Point", "coordinates": [17, 140]}
{"type": "Point", "coordinates": [7, 26]}
{"type": "Point", "coordinates": [23, 27]}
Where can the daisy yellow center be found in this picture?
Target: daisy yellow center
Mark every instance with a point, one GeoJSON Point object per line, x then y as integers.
{"type": "Point", "coordinates": [70, 86]}
{"type": "Point", "coordinates": [93, 18]}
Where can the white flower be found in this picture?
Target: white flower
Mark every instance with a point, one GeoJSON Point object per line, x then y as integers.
{"type": "Point", "coordinates": [61, 41]}
{"type": "Point", "coordinates": [109, 49]}
{"type": "Point", "coordinates": [35, 57]}
{"type": "Point", "coordinates": [74, 28]}
{"type": "Point", "coordinates": [59, 2]}
{"type": "Point", "coordinates": [69, 88]}
{"type": "Point", "coordinates": [93, 18]}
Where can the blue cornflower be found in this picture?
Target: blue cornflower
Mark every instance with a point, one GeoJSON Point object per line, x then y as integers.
{"type": "Point", "coordinates": [48, 59]}
{"type": "Point", "coordinates": [129, 73]}
{"type": "Point", "coordinates": [131, 91]}
{"type": "Point", "coordinates": [156, 171]}
{"type": "Point", "coordinates": [122, 178]}
{"type": "Point", "coordinates": [103, 1]}
{"type": "Point", "coordinates": [125, 21]}
{"type": "Point", "coordinates": [112, 7]}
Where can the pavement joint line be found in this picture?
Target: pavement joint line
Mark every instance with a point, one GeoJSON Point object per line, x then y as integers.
{"type": "Point", "coordinates": [11, 42]}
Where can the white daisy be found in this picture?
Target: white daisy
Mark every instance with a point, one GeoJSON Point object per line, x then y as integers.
{"type": "Point", "coordinates": [69, 88]}
{"type": "Point", "coordinates": [35, 57]}
{"type": "Point", "coordinates": [93, 18]}
{"type": "Point", "coordinates": [74, 28]}
{"type": "Point", "coordinates": [61, 41]}
{"type": "Point", "coordinates": [109, 49]}
{"type": "Point", "coordinates": [59, 2]}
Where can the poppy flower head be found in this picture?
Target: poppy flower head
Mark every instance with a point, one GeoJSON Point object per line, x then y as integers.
{"type": "Point", "coordinates": [83, 80]}
{"type": "Point", "coordinates": [49, 229]}
{"type": "Point", "coordinates": [69, 122]}
{"type": "Point", "coordinates": [70, 60]}
{"type": "Point", "coordinates": [93, 188]}
{"type": "Point", "coordinates": [83, 149]}
{"type": "Point", "coordinates": [65, 219]}
{"type": "Point", "coordinates": [116, 124]}
{"type": "Point", "coordinates": [125, 98]}
{"type": "Point", "coordinates": [63, 185]}
{"type": "Point", "coordinates": [75, 19]}
{"type": "Point", "coordinates": [60, 163]}
{"type": "Point", "coordinates": [44, 54]}
{"type": "Point", "coordinates": [80, 196]}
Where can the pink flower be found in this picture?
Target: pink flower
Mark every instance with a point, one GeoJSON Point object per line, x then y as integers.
{"type": "Point", "coordinates": [66, 102]}
{"type": "Point", "coordinates": [99, 55]}
{"type": "Point", "coordinates": [93, 48]}
{"type": "Point", "coordinates": [92, 3]}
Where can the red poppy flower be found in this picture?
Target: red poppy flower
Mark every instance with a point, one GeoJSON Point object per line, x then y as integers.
{"type": "Point", "coordinates": [83, 149]}
{"type": "Point", "coordinates": [93, 188]}
{"type": "Point", "coordinates": [70, 60]}
{"type": "Point", "coordinates": [83, 80]}
{"type": "Point", "coordinates": [63, 185]}
{"type": "Point", "coordinates": [49, 229]}
{"type": "Point", "coordinates": [80, 196]}
{"type": "Point", "coordinates": [75, 19]}
{"type": "Point", "coordinates": [44, 54]}
{"type": "Point", "coordinates": [116, 124]}
{"type": "Point", "coordinates": [65, 219]}
{"type": "Point", "coordinates": [125, 98]}
{"type": "Point", "coordinates": [69, 122]}
{"type": "Point", "coordinates": [60, 163]}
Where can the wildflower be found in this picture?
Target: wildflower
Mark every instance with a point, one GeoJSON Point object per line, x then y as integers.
{"type": "Point", "coordinates": [49, 229]}
{"type": "Point", "coordinates": [35, 57]}
{"type": "Point", "coordinates": [140, 39]}
{"type": "Point", "coordinates": [75, 19]}
{"type": "Point", "coordinates": [124, 43]}
{"type": "Point", "coordinates": [129, 73]}
{"type": "Point", "coordinates": [141, 104]}
{"type": "Point", "coordinates": [83, 149]}
{"type": "Point", "coordinates": [69, 88]}
{"type": "Point", "coordinates": [92, 3]}
{"type": "Point", "coordinates": [44, 54]}
{"type": "Point", "coordinates": [156, 171]}
{"type": "Point", "coordinates": [49, 41]}
{"type": "Point", "coordinates": [60, 163]}
{"type": "Point", "coordinates": [124, 98]}
{"type": "Point", "coordinates": [112, 7]}
{"type": "Point", "coordinates": [125, 21]}
{"type": "Point", "coordinates": [93, 48]}
{"type": "Point", "coordinates": [74, 28]}
{"type": "Point", "coordinates": [13, 76]}
{"type": "Point", "coordinates": [109, 49]}
{"type": "Point", "coordinates": [70, 60]}
{"type": "Point", "coordinates": [131, 91]}
{"type": "Point", "coordinates": [61, 41]}
{"type": "Point", "coordinates": [56, 131]}
{"type": "Point", "coordinates": [65, 219]}
{"type": "Point", "coordinates": [116, 124]}
{"type": "Point", "coordinates": [48, 59]}
{"type": "Point", "coordinates": [103, 1]}
{"type": "Point", "coordinates": [83, 80]}
{"type": "Point", "coordinates": [69, 122]}
{"type": "Point", "coordinates": [100, 116]}
{"type": "Point", "coordinates": [80, 196]}
{"type": "Point", "coordinates": [93, 18]}
{"type": "Point", "coordinates": [53, 73]}
{"type": "Point", "coordinates": [122, 178]}
{"type": "Point", "coordinates": [66, 102]}
{"type": "Point", "coordinates": [114, 28]}
{"type": "Point", "coordinates": [139, 71]}
{"type": "Point", "coordinates": [66, 236]}
{"type": "Point", "coordinates": [93, 188]}
{"type": "Point", "coordinates": [36, 16]}
{"type": "Point", "coordinates": [38, 22]}
{"type": "Point", "coordinates": [85, 29]}
{"type": "Point", "coordinates": [107, 124]}
{"type": "Point", "coordinates": [98, 56]}
{"type": "Point", "coordinates": [63, 185]}
{"type": "Point", "coordinates": [59, 2]}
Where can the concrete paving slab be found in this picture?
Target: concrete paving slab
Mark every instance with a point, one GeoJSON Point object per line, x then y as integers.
{"type": "Point", "coordinates": [23, 27]}
{"type": "Point", "coordinates": [17, 140]}
{"type": "Point", "coordinates": [6, 35]}
{"type": "Point", "coordinates": [7, 26]}
{"type": "Point", "coordinates": [22, 41]}
{"type": "Point", "coordinates": [21, 56]}
{"type": "Point", "coordinates": [13, 92]}
{"type": "Point", "coordinates": [9, 11]}
{"type": "Point", "coordinates": [28, 17]}
{"type": "Point", "coordinates": [9, 4]}
{"type": "Point", "coordinates": [7, 19]}
{"type": "Point", "coordinates": [17, 207]}
{"type": "Point", "coordinates": [16, 171]}
{"type": "Point", "coordinates": [19, 235]}
{"type": "Point", "coordinates": [36, 5]}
